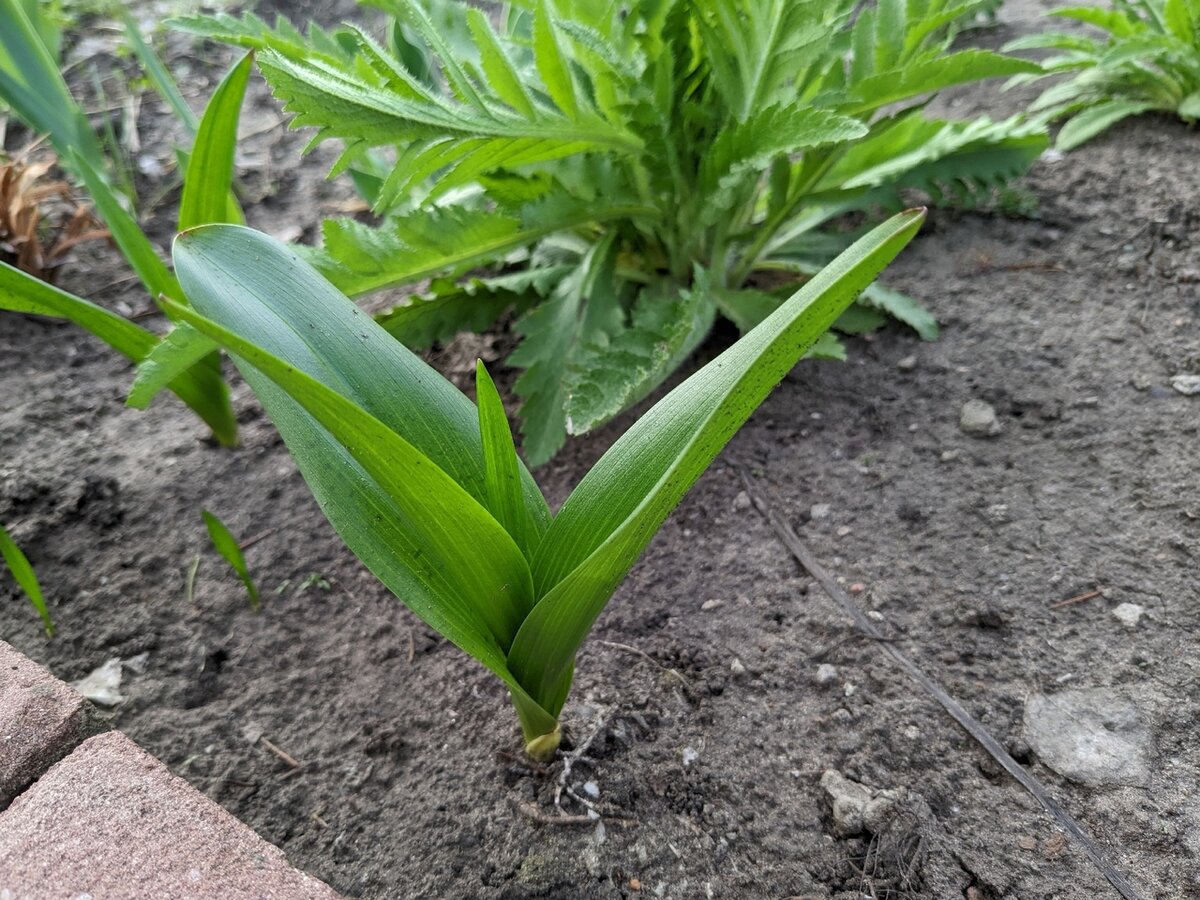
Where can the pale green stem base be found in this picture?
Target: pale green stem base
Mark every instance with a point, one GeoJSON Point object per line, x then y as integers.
{"type": "Point", "coordinates": [542, 748]}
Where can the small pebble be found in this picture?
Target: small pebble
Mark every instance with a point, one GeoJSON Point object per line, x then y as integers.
{"type": "Point", "coordinates": [844, 530]}
{"type": "Point", "coordinates": [1188, 385]}
{"type": "Point", "coordinates": [826, 674]}
{"type": "Point", "coordinates": [978, 419]}
{"type": "Point", "coordinates": [690, 755]}
{"type": "Point", "coordinates": [1128, 614]}
{"type": "Point", "coordinates": [1027, 843]}
{"type": "Point", "coordinates": [907, 364]}
{"type": "Point", "coordinates": [857, 588]}
{"type": "Point", "coordinates": [591, 789]}
{"type": "Point", "coordinates": [711, 604]}
{"type": "Point", "coordinates": [950, 455]}
{"type": "Point", "coordinates": [635, 884]}
{"type": "Point", "coordinates": [741, 502]}
{"type": "Point", "coordinates": [736, 667]}
{"type": "Point", "coordinates": [819, 511]}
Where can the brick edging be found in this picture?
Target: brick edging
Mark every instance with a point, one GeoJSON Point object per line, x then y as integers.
{"type": "Point", "coordinates": [108, 819]}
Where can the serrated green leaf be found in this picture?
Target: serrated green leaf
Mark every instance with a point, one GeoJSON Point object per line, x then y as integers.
{"type": "Point", "coordinates": [928, 76]}
{"type": "Point", "coordinates": [227, 545]}
{"type": "Point", "coordinates": [552, 62]}
{"type": "Point", "coordinates": [616, 371]}
{"type": "Point", "coordinates": [1085, 125]}
{"type": "Point", "coordinates": [501, 74]}
{"type": "Point", "coordinates": [902, 307]}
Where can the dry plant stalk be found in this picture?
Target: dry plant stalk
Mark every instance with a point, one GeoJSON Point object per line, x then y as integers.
{"type": "Point", "coordinates": [26, 193]}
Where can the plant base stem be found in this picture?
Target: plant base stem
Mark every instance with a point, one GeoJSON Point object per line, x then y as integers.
{"type": "Point", "coordinates": [543, 747]}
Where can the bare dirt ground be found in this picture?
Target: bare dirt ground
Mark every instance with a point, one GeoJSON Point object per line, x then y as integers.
{"type": "Point", "coordinates": [710, 738]}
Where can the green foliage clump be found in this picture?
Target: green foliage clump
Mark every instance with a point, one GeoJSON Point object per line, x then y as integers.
{"type": "Point", "coordinates": [1149, 60]}
{"type": "Point", "coordinates": [427, 488]}
{"type": "Point", "coordinates": [628, 172]}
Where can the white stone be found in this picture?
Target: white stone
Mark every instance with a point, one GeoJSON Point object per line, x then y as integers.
{"type": "Point", "coordinates": [1095, 736]}
{"type": "Point", "coordinates": [978, 419]}
{"type": "Point", "coordinates": [1128, 614]}
{"type": "Point", "coordinates": [1188, 385]}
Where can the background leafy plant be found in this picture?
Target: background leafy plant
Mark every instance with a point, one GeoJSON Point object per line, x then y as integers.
{"type": "Point", "coordinates": [629, 172]}
{"type": "Point", "coordinates": [1149, 60]}
{"type": "Point", "coordinates": [31, 85]}
{"type": "Point", "coordinates": [427, 489]}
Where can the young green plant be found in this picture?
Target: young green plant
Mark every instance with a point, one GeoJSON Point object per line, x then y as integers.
{"type": "Point", "coordinates": [630, 172]}
{"type": "Point", "coordinates": [427, 489]}
{"type": "Point", "coordinates": [26, 579]}
{"type": "Point", "coordinates": [32, 86]}
{"type": "Point", "coordinates": [1149, 60]}
{"type": "Point", "coordinates": [230, 549]}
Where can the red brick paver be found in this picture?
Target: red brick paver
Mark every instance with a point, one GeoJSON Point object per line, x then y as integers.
{"type": "Point", "coordinates": [110, 821]}
{"type": "Point", "coordinates": [41, 721]}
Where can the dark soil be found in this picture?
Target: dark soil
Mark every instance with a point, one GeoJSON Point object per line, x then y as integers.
{"type": "Point", "coordinates": [711, 730]}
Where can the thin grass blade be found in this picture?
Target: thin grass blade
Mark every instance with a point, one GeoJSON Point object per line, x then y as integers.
{"type": "Point", "coordinates": [206, 187]}
{"type": "Point", "coordinates": [25, 577]}
{"type": "Point", "coordinates": [231, 551]}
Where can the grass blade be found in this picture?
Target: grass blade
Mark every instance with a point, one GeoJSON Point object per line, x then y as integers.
{"type": "Point", "coordinates": [229, 548]}
{"type": "Point", "coordinates": [159, 77]}
{"type": "Point", "coordinates": [206, 187]}
{"type": "Point", "coordinates": [23, 572]}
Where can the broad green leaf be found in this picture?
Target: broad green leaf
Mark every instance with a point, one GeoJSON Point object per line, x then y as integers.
{"type": "Point", "coordinates": [23, 574]}
{"type": "Point", "coordinates": [611, 516]}
{"type": "Point", "coordinates": [206, 187]}
{"type": "Point", "coordinates": [408, 506]}
{"type": "Point", "coordinates": [31, 84]}
{"type": "Point", "coordinates": [227, 545]}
